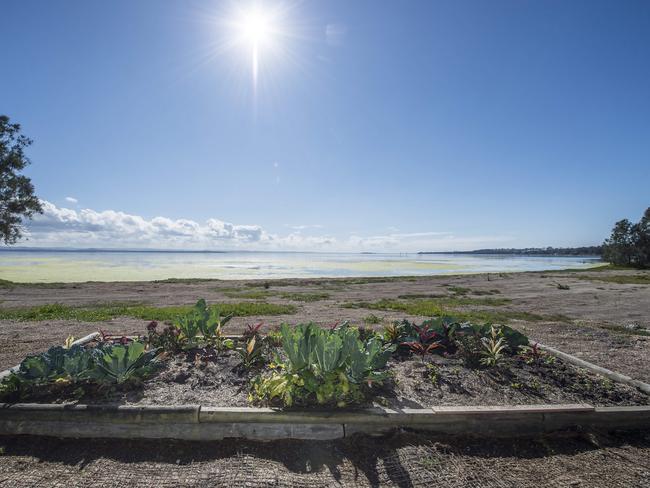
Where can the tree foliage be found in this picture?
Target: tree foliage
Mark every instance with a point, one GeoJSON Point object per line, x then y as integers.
{"type": "Point", "coordinates": [629, 244]}
{"type": "Point", "coordinates": [17, 199]}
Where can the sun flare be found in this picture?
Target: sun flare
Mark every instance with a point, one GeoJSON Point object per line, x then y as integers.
{"type": "Point", "coordinates": [257, 30]}
{"type": "Point", "coordinates": [256, 27]}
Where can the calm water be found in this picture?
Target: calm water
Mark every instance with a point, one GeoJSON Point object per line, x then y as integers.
{"type": "Point", "coordinates": [49, 266]}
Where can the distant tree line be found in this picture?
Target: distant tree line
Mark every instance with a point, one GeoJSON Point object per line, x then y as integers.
{"type": "Point", "coordinates": [536, 251]}
{"type": "Point", "coordinates": [629, 244]}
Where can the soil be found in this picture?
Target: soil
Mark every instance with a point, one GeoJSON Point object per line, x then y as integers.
{"type": "Point", "coordinates": [513, 383]}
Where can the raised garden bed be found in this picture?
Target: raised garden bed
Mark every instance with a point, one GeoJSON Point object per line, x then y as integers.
{"type": "Point", "coordinates": [442, 375]}
{"type": "Point", "coordinates": [221, 381]}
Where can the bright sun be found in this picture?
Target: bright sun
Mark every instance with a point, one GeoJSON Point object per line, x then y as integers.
{"type": "Point", "coordinates": [256, 27]}
{"type": "Point", "coordinates": [257, 34]}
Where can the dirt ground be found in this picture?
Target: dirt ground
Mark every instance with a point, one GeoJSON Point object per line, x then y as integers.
{"type": "Point", "coordinates": [591, 308]}
{"type": "Point", "coordinates": [403, 460]}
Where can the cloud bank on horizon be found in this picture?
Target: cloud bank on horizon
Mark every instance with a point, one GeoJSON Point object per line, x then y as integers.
{"type": "Point", "coordinates": [65, 227]}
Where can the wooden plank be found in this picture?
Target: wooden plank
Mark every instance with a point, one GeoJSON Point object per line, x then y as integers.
{"type": "Point", "coordinates": [511, 409]}
{"type": "Point", "coordinates": [100, 413]}
{"type": "Point", "coordinates": [190, 431]}
{"type": "Point", "coordinates": [378, 415]}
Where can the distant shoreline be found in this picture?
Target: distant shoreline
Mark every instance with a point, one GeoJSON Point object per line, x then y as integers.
{"type": "Point", "coordinates": [587, 251]}
{"type": "Point", "coordinates": [593, 251]}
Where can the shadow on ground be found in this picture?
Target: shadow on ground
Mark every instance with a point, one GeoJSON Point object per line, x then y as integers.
{"type": "Point", "coordinates": [402, 459]}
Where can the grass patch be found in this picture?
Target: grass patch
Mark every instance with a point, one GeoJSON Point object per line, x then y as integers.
{"type": "Point", "coordinates": [103, 312]}
{"type": "Point", "coordinates": [186, 280]}
{"type": "Point", "coordinates": [600, 267]}
{"type": "Point", "coordinates": [421, 296]}
{"type": "Point", "coordinates": [458, 290]}
{"type": "Point", "coordinates": [622, 330]}
{"type": "Point", "coordinates": [372, 319]}
{"type": "Point", "coordinates": [454, 301]}
{"type": "Point", "coordinates": [255, 294]}
{"type": "Point", "coordinates": [332, 282]}
{"type": "Point", "coordinates": [305, 297]}
{"type": "Point", "coordinates": [429, 308]}
{"type": "Point", "coordinates": [640, 279]}
{"type": "Point", "coordinates": [10, 285]}
{"type": "Point", "coordinates": [248, 294]}
{"type": "Point", "coordinates": [493, 291]}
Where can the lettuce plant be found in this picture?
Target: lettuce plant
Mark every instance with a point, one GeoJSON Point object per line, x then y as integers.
{"type": "Point", "coordinates": [203, 320]}
{"type": "Point", "coordinates": [323, 366]}
{"type": "Point", "coordinates": [102, 364]}
{"type": "Point", "coordinates": [119, 363]}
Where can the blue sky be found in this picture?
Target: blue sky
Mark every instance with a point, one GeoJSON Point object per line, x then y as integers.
{"type": "Point", "coordinates": [373, 125]}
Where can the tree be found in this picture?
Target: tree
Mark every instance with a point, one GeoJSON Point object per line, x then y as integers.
{"type": "Point", "coordinates": [629, 244]}
{"type": "Point", "coordinates": [17, 199]}
{"type": "Point", "coordinates": [642, 239]}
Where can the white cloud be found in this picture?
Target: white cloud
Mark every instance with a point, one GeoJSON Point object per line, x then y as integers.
{"type": "Point", "coordinates": [108, 228]}
{"type": "Point", "coordinates": [66, 227]}
{"type": "Point", "coordinates": [71, 199]}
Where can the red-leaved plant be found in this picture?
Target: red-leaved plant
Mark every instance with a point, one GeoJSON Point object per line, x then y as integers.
{"type": "Point", "coordinates": [422, 349]}
{"type": "Point", "coordinates": [252, 330]}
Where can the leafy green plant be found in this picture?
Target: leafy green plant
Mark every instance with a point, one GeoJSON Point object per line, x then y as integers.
{"type": "Point", "coordinates": [469, 347]}
{"type": "Point", "coordinates": [493, 348]}
{"type": "Point", "coordinates": [532, 354]}
{"type": "Point", "coordinates": [274, 337]}
{"type": "Point", "coordinates": [203, 320]}
{"type": "Point", "coordinates": [324, 366]}
{"type": "Point", "coordinates": [512, 338]}
{"type": "Point", "coordinates": [252, 353]}
{"type": "Point", "coordinates": [432, 373]}
{"type": "Point", "coordinates": [393, 333]}
{"type": "Point", "coordinates": [118, 364]}
{"type": "Point", "coordinates": [44, 367]}
{"type": "Point", "coordinates": [169, 339]}
{"type": "Point", "coordinates": [103, 364]}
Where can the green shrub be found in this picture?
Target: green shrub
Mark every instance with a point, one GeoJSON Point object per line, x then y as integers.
{"type": "Point", "coordinates": [112, 364]}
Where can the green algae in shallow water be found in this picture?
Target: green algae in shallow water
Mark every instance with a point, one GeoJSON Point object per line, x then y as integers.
{"type": "Point", "coordinates": [50, 266]}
